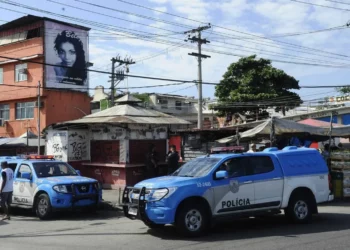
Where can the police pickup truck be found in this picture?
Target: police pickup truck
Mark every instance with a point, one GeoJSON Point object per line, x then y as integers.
{"type": "Point", "coordinates": [224, 185]}
{"type": "Point", "coordinates": [47, 185]}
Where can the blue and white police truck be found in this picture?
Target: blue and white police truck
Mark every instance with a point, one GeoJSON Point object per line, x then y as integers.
{"type": "Point", "coordinates": [225, 185]}
{"type": "Point", "coordinates": [47, 185]}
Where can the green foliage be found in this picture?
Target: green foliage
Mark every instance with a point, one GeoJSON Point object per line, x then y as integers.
{"type": "Point", "coordinates": [105, 104]}
{"type": "Point", "coordinates": [143, 97]}
{"type": "Point", "coordinates": [344, 90]}
{"type": "Point", "coordinates": [255, 81]}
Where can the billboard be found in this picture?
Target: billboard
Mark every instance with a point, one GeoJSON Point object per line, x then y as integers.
{"type": "Point", "coordinates": [66, 50]}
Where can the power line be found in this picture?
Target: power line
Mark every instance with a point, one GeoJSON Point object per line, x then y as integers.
{"type": "Point", "coordinates": [320, 5]}
{"type": "Point", "coordinates": [97, 13]}
{"type": "Point", "coordinates": [157, 41]}
{"type": "Point", "coordinates": [176, 81]}
{"type": "Point", "coordinates": [333, 1]}
{"type": "Point", "coordinates": [228, 29]}
{"type": "Point", "coordinates": [114, 17]}
{"type": "Point", "coordinates": [124, 12]}
{"type": "Point", "coordinates": [137, 15]}
{"type": "Point", "coordinates": [297, 33]}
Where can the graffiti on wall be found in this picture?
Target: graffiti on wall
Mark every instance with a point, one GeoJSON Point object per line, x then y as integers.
{"type": "Point", "coordinates": [107, 132]}
{"type": "Point", "coordinates": [78, 145]}
{"type": "Point", "coordinates": [124, 151]}
{"type": "Point", "coordinates": [133, 132]}
{"type": "Point", "coordinates": [57, 144]}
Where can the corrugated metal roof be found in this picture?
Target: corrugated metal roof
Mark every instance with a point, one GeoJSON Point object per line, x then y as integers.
{"type": "Point", "coordinates": [130, 120]}
{"type": "Point", "coordinates": [128, 110]}
{"type": "Point", "coordinates": [129, 114]}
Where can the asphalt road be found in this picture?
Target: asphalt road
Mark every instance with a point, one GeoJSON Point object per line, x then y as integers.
{"type": "Point", "coordinates": [109, 230]}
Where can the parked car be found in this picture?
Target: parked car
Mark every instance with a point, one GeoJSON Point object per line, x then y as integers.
{"type": "Point", "coordinates": [47, 185]}
{"type": "Point", "coordinates": [225, 185]}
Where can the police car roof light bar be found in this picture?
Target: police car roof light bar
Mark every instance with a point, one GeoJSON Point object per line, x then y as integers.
{"type": "Point", "coordinates": [42, 157]}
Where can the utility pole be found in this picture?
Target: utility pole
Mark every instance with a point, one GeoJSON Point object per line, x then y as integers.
{"type": "Point", "coordinates": [39, 105]}
{"type": "Point", "coordinates": [199, 56]}
{"type": "Point", "coordinates": [120, 75]}
{"type": "Point", "coordinates": [114, 60]}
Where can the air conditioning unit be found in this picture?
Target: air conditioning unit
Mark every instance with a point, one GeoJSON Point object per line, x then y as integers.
{"type": "Point", "coordinates": [39, 106]}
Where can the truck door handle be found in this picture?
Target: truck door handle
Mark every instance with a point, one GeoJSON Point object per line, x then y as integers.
{"type": "Point", "coordinates": [277, 178]}
{"type": "Point", "coordinates": [247, 182]}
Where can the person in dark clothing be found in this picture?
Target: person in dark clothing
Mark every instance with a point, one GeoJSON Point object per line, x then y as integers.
{"type": "Point", "coordinates": [151, 163]}
{"type": "Point", "coordinates": [172, 160]}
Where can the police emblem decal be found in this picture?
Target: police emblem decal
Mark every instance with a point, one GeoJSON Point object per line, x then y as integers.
{"type": "Point", "coordinates": [234, 186]}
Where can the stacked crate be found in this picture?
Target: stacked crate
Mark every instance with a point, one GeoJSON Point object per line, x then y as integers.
{"type": "Point", "coordinates": [340, 166]}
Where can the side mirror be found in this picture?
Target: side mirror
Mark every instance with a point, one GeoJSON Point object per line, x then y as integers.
{"type": "Point", "coordinates": [78, 172]}
{"type": "Point", "coordinates": [27, 176]}
{"type": "Point", "coordinates": [223, 174]}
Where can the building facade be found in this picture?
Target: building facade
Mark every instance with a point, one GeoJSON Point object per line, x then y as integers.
{"type": "Point", "coordinates": [37, 50]}
{"type": "Point", "coordinates": [183, 107]}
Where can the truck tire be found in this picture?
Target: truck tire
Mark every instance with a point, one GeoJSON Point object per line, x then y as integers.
{"type": "Point", "coordinates": [192, 219]}
{"type": "Point", "coordinates": [299, 209]}
{"type": "Point", "coordinates": [43, 207]}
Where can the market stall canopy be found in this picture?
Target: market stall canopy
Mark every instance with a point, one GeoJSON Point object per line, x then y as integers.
{"type": "Point", "coordinates": [128, 111]}
{"type": "Point", "coordinates": [318, 123]}
{"type": "Point", "coordinates": [283, 127]}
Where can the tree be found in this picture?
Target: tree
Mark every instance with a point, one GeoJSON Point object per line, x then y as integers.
{"type": "Point", "coordinates": [344, 90]}
{"type": "Point", "coordinates": [144, 97]}
{"type": "Point", "coordinates": [252, 85]}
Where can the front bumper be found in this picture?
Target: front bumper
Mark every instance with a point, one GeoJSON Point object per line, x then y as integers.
{"type": "Point", "coordinates": [148, 212]}
{"type": "Point", "coordinates": [61, 201]}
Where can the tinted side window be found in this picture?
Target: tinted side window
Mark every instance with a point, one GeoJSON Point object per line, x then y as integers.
{"type": "Point", "coordinates": [237, 167]}
{"type": "Point", "coordinates": [261, 164]}
{"type": "Point", "coordinates": [23, 169]}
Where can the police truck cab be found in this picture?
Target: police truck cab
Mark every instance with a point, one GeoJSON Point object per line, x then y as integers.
{"type": "Point", "coordinates": [224, 185]}
{"type": "Point", "coordinates": [47, 185]}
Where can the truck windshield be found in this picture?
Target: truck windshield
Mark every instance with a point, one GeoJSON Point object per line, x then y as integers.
{"type": "Point", "coordinates": [197, 168]}
{"type": "Point", "coordinates": [51, 169]}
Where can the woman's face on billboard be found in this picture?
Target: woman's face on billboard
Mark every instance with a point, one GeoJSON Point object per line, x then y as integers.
{"type": "Point", "coordinates": [67, 54]}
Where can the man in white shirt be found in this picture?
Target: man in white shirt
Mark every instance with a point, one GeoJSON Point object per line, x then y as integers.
{"type": "Point", "coordinates": [252, 148]}
{"type": "Point", "coordinates": [6, 189]}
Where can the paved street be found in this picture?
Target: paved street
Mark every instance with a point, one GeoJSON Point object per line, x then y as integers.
{"type": "Point", "coordinates": [109, 230]}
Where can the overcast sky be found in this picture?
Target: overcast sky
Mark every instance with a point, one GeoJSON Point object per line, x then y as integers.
{"type": "Point", "coordinates": [260, 17]}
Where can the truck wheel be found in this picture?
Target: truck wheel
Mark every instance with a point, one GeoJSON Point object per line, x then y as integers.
{"type": "Point", "coordinates": [43, 207]}
{"type": "Point", "coordinates": [299, 209]}
{"type": "Point", "coordinates": [192, 220]}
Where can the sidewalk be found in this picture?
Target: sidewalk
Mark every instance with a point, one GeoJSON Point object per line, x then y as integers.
{"type": "Point", "coordinates": [112, 199]}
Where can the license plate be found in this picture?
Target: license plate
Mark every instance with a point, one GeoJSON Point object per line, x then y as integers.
{"type": "Point", "coordinates": [133, 211]}
{"type": "Point", "coordinates": [135, 196]}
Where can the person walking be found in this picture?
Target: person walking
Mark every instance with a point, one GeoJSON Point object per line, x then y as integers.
{"type": "Point", "coordinates": [172, 159]}
{"type": "Point", "coordinates": [6, 189]}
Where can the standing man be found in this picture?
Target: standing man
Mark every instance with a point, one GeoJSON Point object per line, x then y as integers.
{"type": "Point", "coordinates": [172, 159]}
{"type": "Point", "coordinates": [151, 163]}
{"type": "Point", "coordinates": [252, 148]}
{"type": "Point", "coordinates": [6, 189]}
